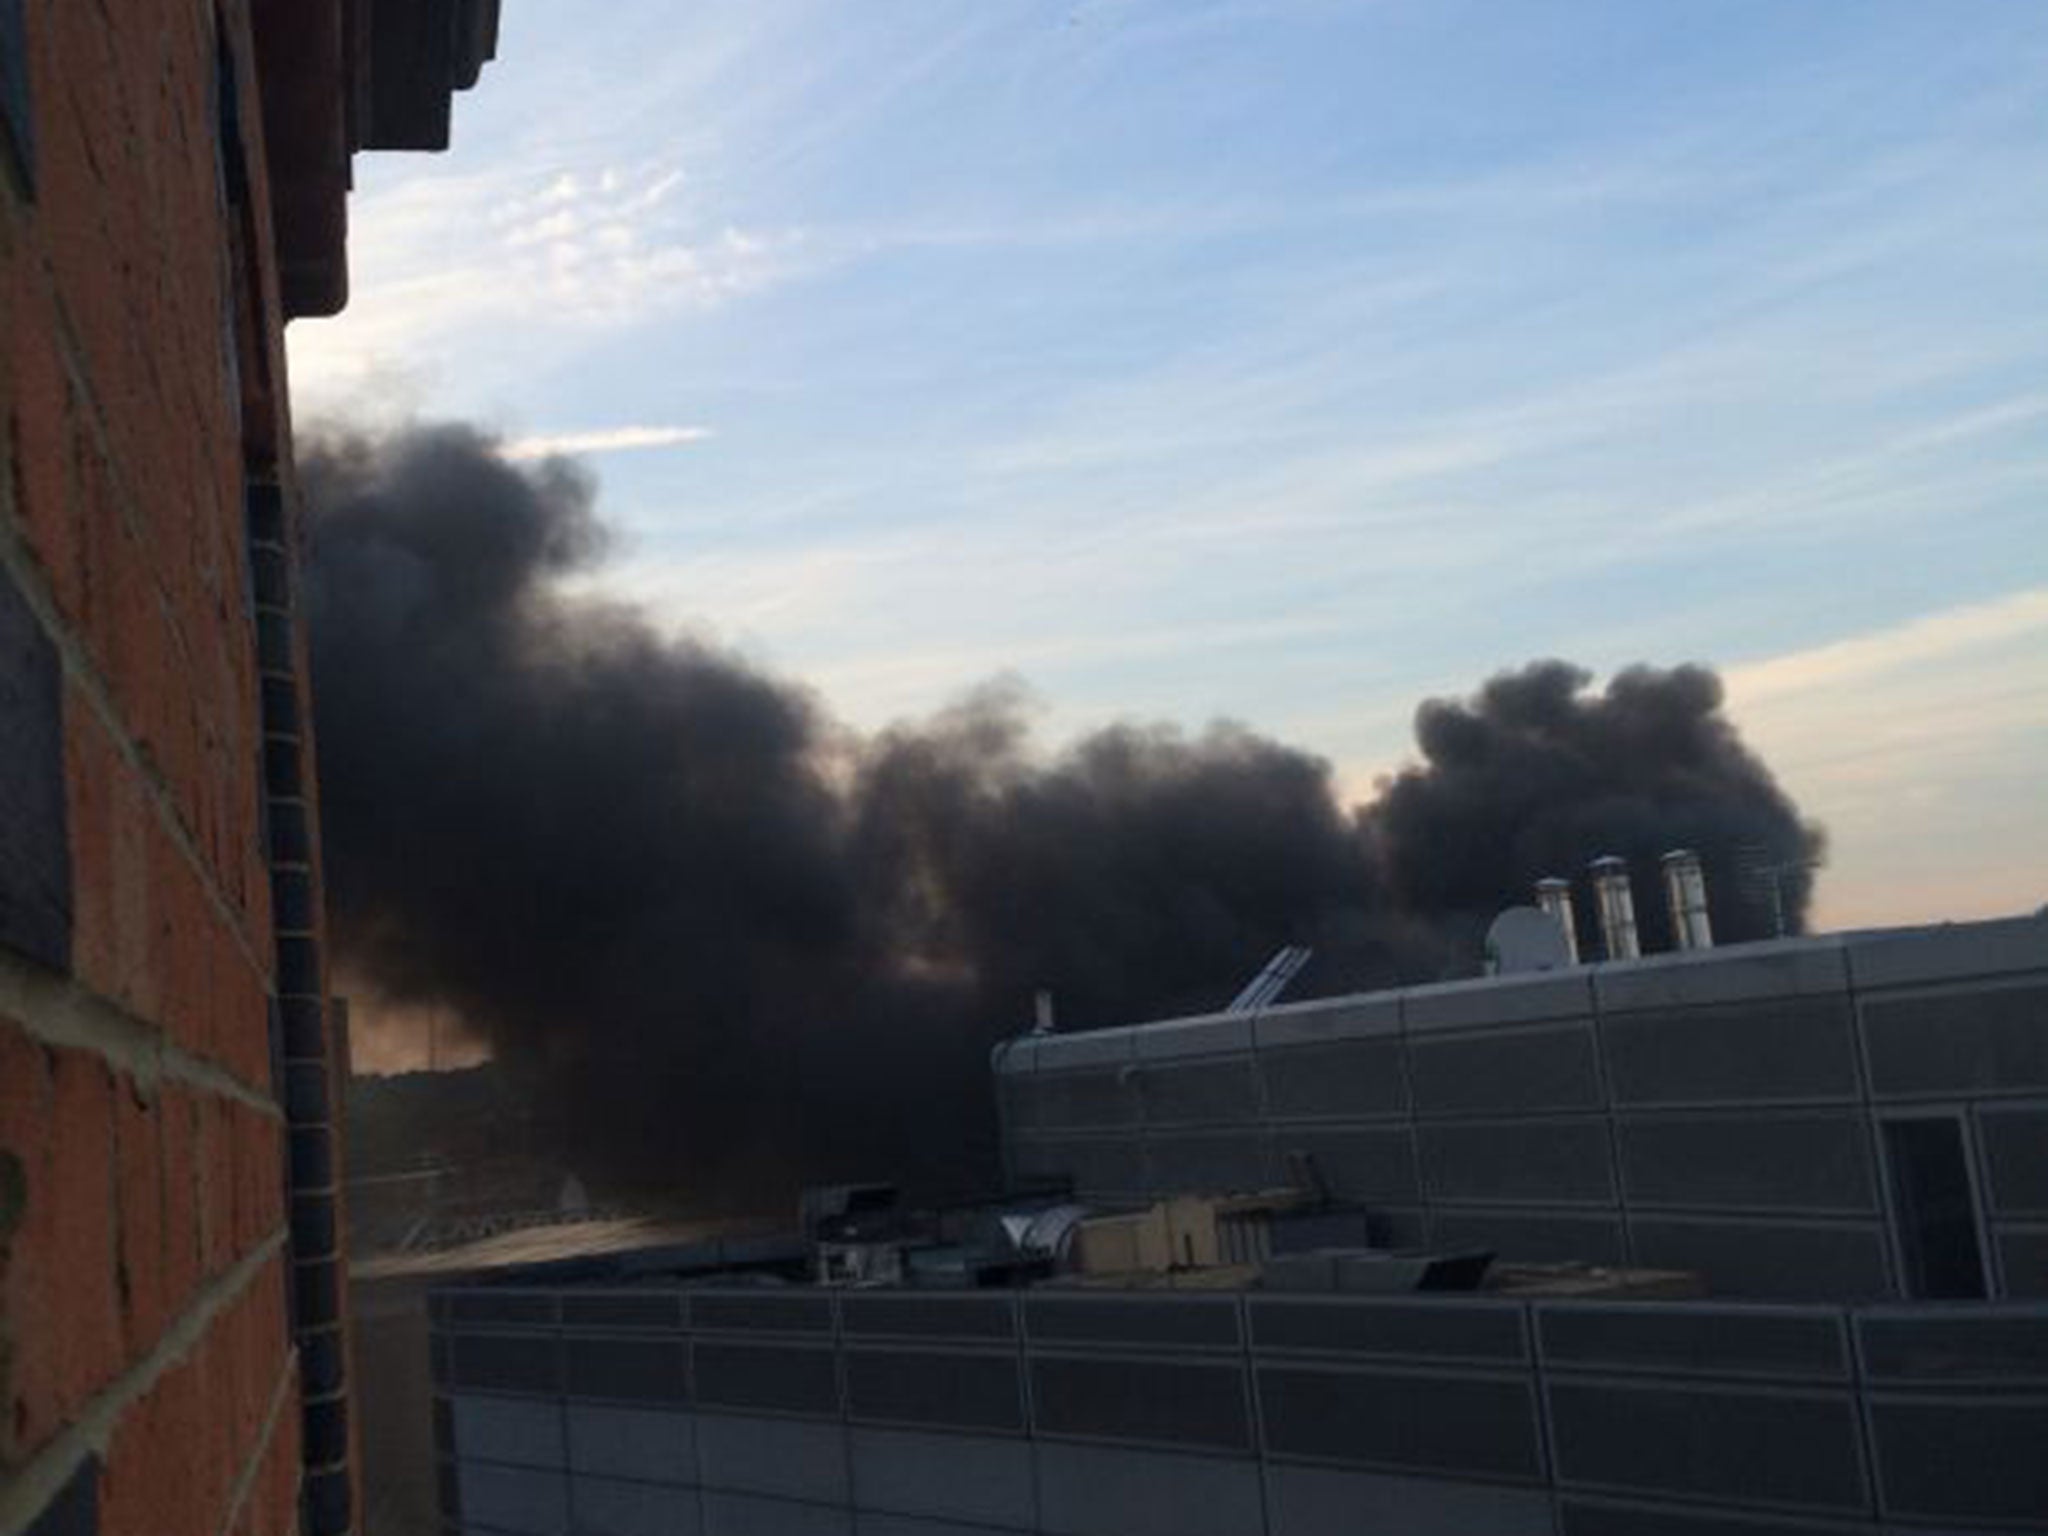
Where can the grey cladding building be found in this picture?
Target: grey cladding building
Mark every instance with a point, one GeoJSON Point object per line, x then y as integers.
{"type": "Point", "coordinates": [1848, 1117]}
{"type": "Point", "coordinates": [1847, 1136]}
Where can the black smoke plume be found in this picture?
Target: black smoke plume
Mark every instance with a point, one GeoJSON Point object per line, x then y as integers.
{"type": "Point", "coordinates": [723, 944]}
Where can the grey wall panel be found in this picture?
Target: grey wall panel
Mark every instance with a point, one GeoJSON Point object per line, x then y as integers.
{"type": "Point", "coordinates": [1460, 1330]}
{"type": "Point", "coordinates": [653, 1445]}
{"type": "Point", "coordinates": [951, 1477]}
{"type": "Point", "coordinates": [1016, 1056]}
{"type": "Point", "coordinates": [605, 1507]}
{"type": "Point", "coordinates": [1324, 1501]}
{"type": "Point", "coordinates": [739, 1514]}
{"type": "Point", "coordinates": [1983, 1040]}
{"type": "Point", "coordinates": [1112, 1165]}
{"type": "Point", "coordinates": [526, 1432]}
{"type": "Point", "coordinates": [528, 1363]}
{"type": "Point", "coordinates": [1132, 1320]}
{"type": "Point", "coordinates": [1991, 1345]}
{"type": "Point", "coordinates": [1017, 1102]}
{"type": "Point", "coordinates": [1551, 1067]}
{"type": "Point", "coordinates": [1395, 1227]}
{"type": "Point", "coordinates": [1562, 1160]}
{"type": "Point", "coordinates": [650, 1309]}
{"type": "Point", "coordinates": [870, 1524]}
{"type": "Point", "coordinates": [1214, 1034]}
{"type": "Point", "coordinates": [1218, 1162]}
{"type": "Point", "coordinates": [1322, 1020]}
{"type": "Point", "coordinates": [513, 1499]}
{"type": "Point", "coordinates": [626, 1369]}
{"type": "Point", "coordinates": [966, 1391]}
{"type": "Point", "coordinates": [1341, 1080]}
{"type": "Point", "coordinates": [1722, 1443]}
{"type": "Point", "coordinates": [1479, 1425]}
{"type": "Point", "coordinates": [495, 1305]}
{"type": "Point", "coordinates": [1754, 972]}
{"type": "Point", "coordinates": [1705, 1339]}
{"type": "Point", "coordinates": [2015, 1141]}
{"type": "Point", "coordinates": [1537, 1237]}
{"type": "Point", "coordinates": [1913, 956]}
{"type": "Point", "coordinates": [1089, 1491]}
{"type": "Point", "coordinates": [2023, 1257]}
{"type": "Point", "coordinates": [1372, 1165]}
{"type": "Point", "coordinates": [768, 1311]}
{"type": "Point", "coordinates": [1102, 1097]}
{"type": "Point", "coordinates": [930, 1315]}
{"type": "Point", "coordinates": [1171, 1401]}
{"type": "Point", "coordinates": [1978, 1460]}
{"type": "Point", "coordinates": [791, 1378]}
{"type": "Point", "coordinates": [1222, 1091]}
{"type": "Point", "coordinates": [1791, 1261]}
{"type": "Point", "coordinates": [1818, 1161]}
{"type": "Point", "coordinates": [1608, 1517]}
{"type": "Point", "coordinates": [1752, 1052]}
{"type": "Point", "coordinates": [785, 1457]}
{"type": "Point", "coordinates": [1083, 1048]}
{"type": "Point", "coordinates": [1498, 1000]}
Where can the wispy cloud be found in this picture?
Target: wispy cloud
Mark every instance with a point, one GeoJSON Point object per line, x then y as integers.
{"type": "Point", "coordinates": [1918, 643]}
{"type": "Point", "coordinates": [603, 440]}
{"type": "Point", "coordinates": [506, 267]}
{"type": "Point", "coordinates": [1285, 359]}
{"type": "Point", "coordinates": [1919, 745]}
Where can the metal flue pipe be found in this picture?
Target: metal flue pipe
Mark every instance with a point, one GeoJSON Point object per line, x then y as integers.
{"type": "Point", "coordinates": [1617, 908]}
{"type": "Point", "coordinates": [1554, 896]}
{"type": "Point", "coordinates": [1685, 887]}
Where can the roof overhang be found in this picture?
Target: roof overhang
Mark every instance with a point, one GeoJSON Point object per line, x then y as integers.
{"type": "Point", "coordinates": [337, 76]}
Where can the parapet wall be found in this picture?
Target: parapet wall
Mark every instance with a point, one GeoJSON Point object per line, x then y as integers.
{"type": "Point", "coordinates": [1723, 1112]}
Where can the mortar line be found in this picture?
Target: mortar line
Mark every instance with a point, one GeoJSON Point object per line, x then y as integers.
{"type": "Point", "coordinates": [30, 1489]}
{"type": "Point", "coordinates": [21, 565]}
{"type": "Point", "coordinates": [56, 1011]}
{"type": "Point", "coordinates": [252, 1468]}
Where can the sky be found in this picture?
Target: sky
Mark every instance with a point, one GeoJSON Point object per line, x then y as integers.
{"type": "Point", "coordinates": [1287, 361]}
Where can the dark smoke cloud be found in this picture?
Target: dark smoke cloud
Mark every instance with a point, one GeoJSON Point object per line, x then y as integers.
{"type": "Point", "coordinates": [723, 944]}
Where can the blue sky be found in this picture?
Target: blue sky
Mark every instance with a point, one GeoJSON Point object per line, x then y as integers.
{"type": "Point", "coordinates": [1289, 361]}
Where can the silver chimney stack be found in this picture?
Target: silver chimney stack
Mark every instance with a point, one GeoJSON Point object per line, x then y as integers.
{"type": "Point", "coordinates": [1685, 886]}
{"type": "Point", "coordinates": [1554, 896]}
{"type": "Point", "coordinates": [1617, 908]}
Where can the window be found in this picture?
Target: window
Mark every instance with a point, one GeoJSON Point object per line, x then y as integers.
{"type": "Point", "coordinates": [1934, 1207]}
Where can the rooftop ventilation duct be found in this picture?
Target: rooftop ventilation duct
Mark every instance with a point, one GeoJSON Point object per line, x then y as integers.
{"type": "Point", "coordinates": [1554, 896]}
{"type": "Point", "coordinates": [1617, 908]}
{"type": "Point", "coordinates": [1685, 886]}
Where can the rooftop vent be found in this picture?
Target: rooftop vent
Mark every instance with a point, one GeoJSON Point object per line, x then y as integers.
{"type": "Point", "coordinates": [1685, 887]}
{"type": "Point", "coordinates": [1617, 908]}
{"type": "Point", "coordinates": [1554, 896]}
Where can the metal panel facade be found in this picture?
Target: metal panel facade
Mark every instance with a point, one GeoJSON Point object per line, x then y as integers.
{"type": "Point", "coordinates": [1715, 1111]}
{"type": "Point", "coordinates": [1264, 1415]}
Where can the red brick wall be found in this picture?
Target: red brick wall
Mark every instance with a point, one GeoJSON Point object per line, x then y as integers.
{"type": "Point", "coordinates": [147, 1363]}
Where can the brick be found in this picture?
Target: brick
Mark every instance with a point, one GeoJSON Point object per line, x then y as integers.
{"type": "Point", "coordinates": [160, 1475]}
{"type": "Point", "coordinates": [216, 1150]}
{"type": "Point", "coordinates": [40, 412]}
{"type": "Point", "coordinates": [111, 829]}
{"type": "Point", "coordinates": [241, 1011]}
{"type": "Point", "coordinates": [127, 443]}
{"type": "Point", "coordinates": [179, 1129]}
{"type": "Point", "coordinates": [61, 1319]}
{"type": "Point", "coordinates": [147, 1302]}
{"type": "Point", "coordinates": [260, 1174]}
